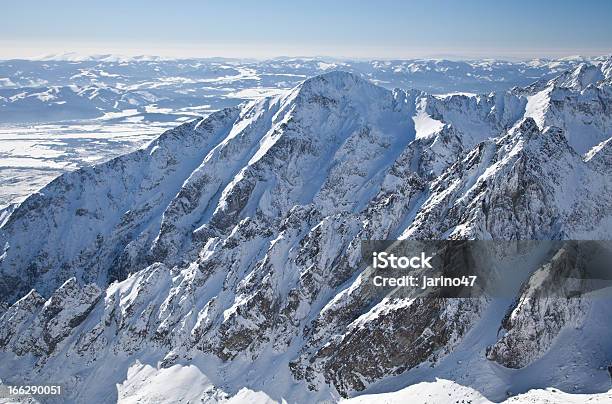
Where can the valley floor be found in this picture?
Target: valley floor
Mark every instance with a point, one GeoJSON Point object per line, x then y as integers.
{"type": "Point", "coordinates": [33, 155]}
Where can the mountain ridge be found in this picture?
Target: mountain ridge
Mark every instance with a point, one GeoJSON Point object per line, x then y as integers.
{"type": "Point", "coordinates": [233, 242]}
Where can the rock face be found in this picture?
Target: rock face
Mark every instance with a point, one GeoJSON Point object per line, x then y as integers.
{"type": "Point", "coordinates": [49, 322]}
{"type": "Point", "coordinates": [549, 301]}
{"type": "Point", "coordinates": [232, 243]}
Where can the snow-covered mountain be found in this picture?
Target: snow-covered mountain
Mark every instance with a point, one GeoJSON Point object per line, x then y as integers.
{"type": "Point", "coordinates": [61, 112]}
{"type": "Point", "coordinates": [223, 260]}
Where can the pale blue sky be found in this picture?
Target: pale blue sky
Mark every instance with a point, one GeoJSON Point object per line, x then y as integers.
{"type": "Point", "coordinates": [342, 28]}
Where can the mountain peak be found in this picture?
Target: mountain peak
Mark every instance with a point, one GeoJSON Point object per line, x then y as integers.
{"type": "Point", "coordinates": [338, 82]}
{"type": "Point", "coordinates": [580, 77]}
{"type": "Point", "coordinates": [335, 78]}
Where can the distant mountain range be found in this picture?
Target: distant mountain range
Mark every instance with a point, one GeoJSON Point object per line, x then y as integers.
{"type": "Point", "coordinates": [63, 87]}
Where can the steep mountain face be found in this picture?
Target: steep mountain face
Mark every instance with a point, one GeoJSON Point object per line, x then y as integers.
{"type": "Point", "coordinates": [577, 101]}
{"type": "Point", "coordinates": [231, 244]}
{"type": "Point", "coordinates": [543, 309]}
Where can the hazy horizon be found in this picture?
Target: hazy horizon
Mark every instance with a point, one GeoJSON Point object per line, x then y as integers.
{"type": "Point", "coordinates": [343, 29]}
{"type": "Point", "coordinates": [102, 53]}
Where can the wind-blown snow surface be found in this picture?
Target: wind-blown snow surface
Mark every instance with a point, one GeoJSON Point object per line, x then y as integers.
{"type": "Point", "coordinates": [223, 259]}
